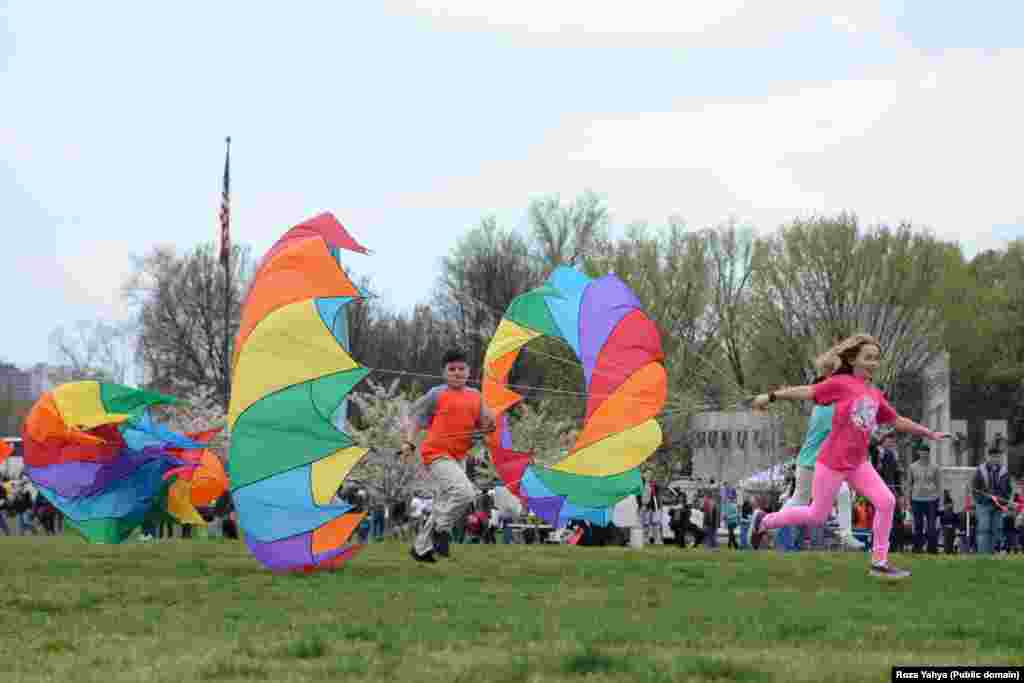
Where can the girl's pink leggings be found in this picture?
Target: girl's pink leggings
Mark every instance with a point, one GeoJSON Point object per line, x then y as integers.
{"type": "Point", "coordinates": [863, 479]}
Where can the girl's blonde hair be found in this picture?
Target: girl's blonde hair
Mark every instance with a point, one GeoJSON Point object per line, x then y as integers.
{"type": "Point", "coordinates": [841, 356]}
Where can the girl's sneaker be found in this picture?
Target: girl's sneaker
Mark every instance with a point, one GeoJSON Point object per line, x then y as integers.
{"type": "Point", "coordinates": [885, 571]}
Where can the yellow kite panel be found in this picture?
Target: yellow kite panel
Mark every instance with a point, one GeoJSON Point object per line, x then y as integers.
{"type": "Point", "coordinates": [81, 405]}
{"type": "Point", "coordinates": [508, 338]}
{"type": "Point", "coordinates": [328, 473]}
{"type": "Point", "coordinates": [615, 454]}
{"type": "Point", "coordinates": [268, 362]}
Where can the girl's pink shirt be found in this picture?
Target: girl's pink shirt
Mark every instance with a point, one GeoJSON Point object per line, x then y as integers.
{"type": "Point", "coordinates": [859, 409]}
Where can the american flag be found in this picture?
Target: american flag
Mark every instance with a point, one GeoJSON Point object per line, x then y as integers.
{"type": "Point", "coordinates": [225, 210]}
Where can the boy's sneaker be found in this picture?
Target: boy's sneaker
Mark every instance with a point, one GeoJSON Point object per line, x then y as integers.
{"type": "Point", "coordinates": [429, 557]}
{"type": "Point", "coordinates": [885, 571]}
{"type": "Point", "coordinates": [442, 540]}
{"type": "Point", "coordinates": [850, 541]}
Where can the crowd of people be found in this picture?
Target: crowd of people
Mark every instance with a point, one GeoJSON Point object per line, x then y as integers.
{"type": "Point", "coordinates": [926, 518]}
{"type": "Point", "coordinates": [991, 519]}
{"type": "Point", "coordinates": [22, 508]}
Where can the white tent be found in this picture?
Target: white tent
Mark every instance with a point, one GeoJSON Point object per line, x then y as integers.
{"type": "Point", "coordinates": [766, 479]}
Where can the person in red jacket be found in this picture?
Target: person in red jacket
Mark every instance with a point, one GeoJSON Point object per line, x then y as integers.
{"type": "Point", "coordinates": [451, 414]}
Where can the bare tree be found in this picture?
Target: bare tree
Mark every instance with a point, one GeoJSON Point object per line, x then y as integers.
{"type": "Point", "coordinates": [567, 234]}
{"type": "Point", "coordinates": [179, 303]}
{"type": "Point", "coordinates": [731, 255]}
{"type": "Point", "coordinates": [481, 276]}
{"type": "Point", "coordinates": [93, 349]}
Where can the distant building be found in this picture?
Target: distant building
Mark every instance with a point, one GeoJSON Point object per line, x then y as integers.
{"type": "Point", "coordinates": [40, 380]}
{"type": "Point", "coordinates": [15, 384]}
{"type": "Point", "coordinates": [29, 384]}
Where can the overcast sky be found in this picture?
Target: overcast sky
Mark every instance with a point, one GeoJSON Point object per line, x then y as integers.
{"type": "Point", "coordinates": [411, 120]}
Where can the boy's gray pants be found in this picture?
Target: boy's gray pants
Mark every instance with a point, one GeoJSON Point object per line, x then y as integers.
{"type": "Point", "coordinates": [453, 494]}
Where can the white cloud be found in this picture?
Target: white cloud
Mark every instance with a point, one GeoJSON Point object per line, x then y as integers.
{"type": "Point", "coordinates": [932, 140]}
{"type": "Point", "coordinates": [93, 276]}
{"type": "Point", "coordinates": [844, 23]}
{"type": "Point", "coordinates": [641, 16]}
{"type": "Point", "coordinates": [685, 24]}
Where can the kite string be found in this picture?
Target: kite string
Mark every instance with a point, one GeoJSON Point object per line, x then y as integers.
{"type": "Point", "coordinates": [500, 315]}
{"type": "Point", "coordinates": [562, 392]}
{"type": "Point", "coordinates": [565, 392]}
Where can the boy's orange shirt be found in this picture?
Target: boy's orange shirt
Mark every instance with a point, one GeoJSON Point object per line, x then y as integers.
{"type": "Point", "coordinates": [449, 415]}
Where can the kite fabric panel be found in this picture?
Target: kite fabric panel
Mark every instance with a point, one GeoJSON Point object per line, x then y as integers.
{"type": "Point", "coordinates": [292, 372]}
{"type": "Point", "coordinates": [94, 451]}
{"type": "Point", "coordinates": [626, 384]}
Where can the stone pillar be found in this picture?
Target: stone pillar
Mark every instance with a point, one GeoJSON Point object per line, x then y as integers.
{"type": "Point", "coordinates": [996, 429]}
{"type": "Point", "coordinates": [935, 411]}
{"type": "Point", "coordinates": [959, 448]}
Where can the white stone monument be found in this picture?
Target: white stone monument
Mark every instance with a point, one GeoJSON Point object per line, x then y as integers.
{"type": "Point", "coordinates": [935, 413]}
{"type": "Point", "coordinates": [730, 446]}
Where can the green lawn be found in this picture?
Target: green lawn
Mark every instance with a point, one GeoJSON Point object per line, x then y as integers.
{"type": "Point", "coordinates": [203, 610]}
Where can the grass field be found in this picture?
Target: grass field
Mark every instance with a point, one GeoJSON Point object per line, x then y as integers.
{"type": "Point", "coordinates": [203, 610]}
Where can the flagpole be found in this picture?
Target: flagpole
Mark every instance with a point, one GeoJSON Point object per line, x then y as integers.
{"type": "Point", "coordinates": [226, 259]}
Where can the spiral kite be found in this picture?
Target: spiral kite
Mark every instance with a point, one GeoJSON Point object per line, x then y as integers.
{"type": "Point", "coordinates": [291, 375]}
{"type": "Point", "coordinates": [620, 350]}
{"type": "Point", "coordinates": [95, 452]}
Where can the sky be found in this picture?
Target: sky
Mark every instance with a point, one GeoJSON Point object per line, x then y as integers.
{"type": "Point", "coordinates": [411, 120]}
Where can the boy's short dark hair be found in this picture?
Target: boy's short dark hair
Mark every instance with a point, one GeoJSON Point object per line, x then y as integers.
{"type": "Point", "coordinates": [454, 356]}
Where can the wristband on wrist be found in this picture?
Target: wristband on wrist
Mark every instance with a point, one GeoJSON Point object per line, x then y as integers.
{"type": "Point", "coordinates": [771, 397]}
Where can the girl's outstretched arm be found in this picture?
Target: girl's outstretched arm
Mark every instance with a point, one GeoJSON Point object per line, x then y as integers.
{"type": "Point", "coordinates": [902, 424]}
{"type": "Point", "coordinates": [804, 393]}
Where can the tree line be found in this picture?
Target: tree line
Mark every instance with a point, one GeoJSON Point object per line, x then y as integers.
{"type": "Point", "coordinates": [738, 312]}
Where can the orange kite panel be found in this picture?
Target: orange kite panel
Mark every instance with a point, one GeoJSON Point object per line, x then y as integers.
{"type": "Point", "coordinates": [637, 400]}
{"type": "Point", "coordinates": [336, 532]}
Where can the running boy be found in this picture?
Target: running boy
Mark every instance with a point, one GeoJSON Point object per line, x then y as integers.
{"type": "Point", "coordinates": [450, 414]}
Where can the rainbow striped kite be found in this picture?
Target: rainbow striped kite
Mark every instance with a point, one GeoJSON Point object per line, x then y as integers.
{"type": "Point", "coordinates": [626, 384]}
{"type": "Point", "coordinates": [292, 371]}
{"type": "Point", "coordinates": [95, 452]}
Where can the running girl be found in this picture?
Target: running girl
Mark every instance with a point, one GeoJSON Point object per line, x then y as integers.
{"type": "Point", "coordinates": [817, 431]}
{"type": "Point", "coordinates": [859, 408]}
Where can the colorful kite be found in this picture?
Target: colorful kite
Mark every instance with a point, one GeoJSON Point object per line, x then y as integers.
{"type": "Point", "coordinates": [291, 375]}
{"type": "Point", "coordinates": [620, 350]}
{"type": "Point", "coordinates": [93, 450]}
{"type": "Point", "coordinates": [197, 484]}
